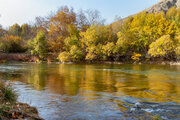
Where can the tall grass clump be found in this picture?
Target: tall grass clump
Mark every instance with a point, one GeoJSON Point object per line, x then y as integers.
{"type": "Point", "coordinates": [7, 94]}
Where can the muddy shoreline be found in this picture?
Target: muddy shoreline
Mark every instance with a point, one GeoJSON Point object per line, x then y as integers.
{"type": "Point", "coordinates": [10, 108]}
{"type": "Point", "coordinates": [19, 111]}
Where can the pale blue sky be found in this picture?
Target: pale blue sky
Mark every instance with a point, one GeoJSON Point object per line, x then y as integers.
{"type": "Point", "coordinates": [24, 11]}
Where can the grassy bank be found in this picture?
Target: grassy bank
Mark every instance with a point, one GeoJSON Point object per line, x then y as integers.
{"type": "Point", "coordinates": [11, 109]}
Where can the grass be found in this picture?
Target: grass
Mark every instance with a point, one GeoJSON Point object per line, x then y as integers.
{"type": "Point", "coordinates": [7, 94]}
{"type": "Point", "coordinates": [11, 109]}
{"type": "Point", "coordinates": [8, 97]}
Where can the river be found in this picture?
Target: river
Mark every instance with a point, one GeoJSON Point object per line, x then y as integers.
{"type": "Point", "coordinates": [97, 92]}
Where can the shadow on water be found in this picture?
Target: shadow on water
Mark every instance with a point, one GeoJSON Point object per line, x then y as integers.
{"type": "Point", "coordinates": [97, 91]}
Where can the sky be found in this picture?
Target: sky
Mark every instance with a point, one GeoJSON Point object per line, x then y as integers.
{"type": "Point", "coordinates": [25, 11]}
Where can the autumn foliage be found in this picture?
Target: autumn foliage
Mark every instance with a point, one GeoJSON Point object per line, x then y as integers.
{"type": "Point", "coordinates": [83, 36]}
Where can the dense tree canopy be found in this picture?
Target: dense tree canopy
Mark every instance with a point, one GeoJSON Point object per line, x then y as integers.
{"type": "Point", "coordinates": [78, 36]}
{"type": "Point", "coordinates": [164, 46]}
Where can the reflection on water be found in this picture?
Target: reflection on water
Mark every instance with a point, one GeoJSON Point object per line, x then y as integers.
{"type": "Point", "coordinates": [93, 91]}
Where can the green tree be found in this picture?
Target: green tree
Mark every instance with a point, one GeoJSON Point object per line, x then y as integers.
{"type": "Point", "coordinates": [39, 45]}
{"type": "Point", "coordinates": [26, 31]}
{"type": "Point", "coordinates": [15, 30]}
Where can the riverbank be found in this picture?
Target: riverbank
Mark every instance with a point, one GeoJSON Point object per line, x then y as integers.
{"type": "Point", "coordinates": [4, 58]}
{"type": "Point", "coordinates": [11, 109]}
{"type": "Point", "coordinates": [116, 62]}
{"type": "Point", "coordinates": [105, 62]}
{"type": "Point", "coordinates": [128, 62]}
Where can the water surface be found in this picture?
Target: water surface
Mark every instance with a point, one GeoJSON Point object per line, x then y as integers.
{"type": "Point", "coordinates": [97, 91]}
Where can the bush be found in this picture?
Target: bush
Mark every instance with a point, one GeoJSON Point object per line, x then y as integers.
{"type": "Point", "coordinates": [76, 53]}
{"type": "Point", "coordinates": [90, 56]}
{"type": "Point", "coordinates": [12, 44]}
{"type": "Point", "coordinates": [136, 57]}
{"type": "Point", "coordinates": [108, 49]}
{"type": "Point", "coordinates": [64, 57]}
{"type": "Point", "coordinates": [162, 47]}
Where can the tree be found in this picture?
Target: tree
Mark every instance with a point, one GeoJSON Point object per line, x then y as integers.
{"type": "Point", "coordinates": [162, 47]}
{"type": "Point", "coordinates": [76, 53]}
{"type": "Point", "coordinates": [43, 22]}
{"type": "Point", "coordinates": [123, 44]}
{"type": "Point", "coordinates": [60, 24]}
{"type": "Point", "coordinates": [140, 31]}
{"type": "Point", "coordinates": [15, 30]}
{"type": "Point", "coordinates": [171, 13]}
{"type": "Point", "coordinates": [11, 44]}
{"type": "Point", "coordinates": [26, 31]}
{"type": "Point", "coordinates": [108, 49]}
{"type": "Point", "coordinates": [177, 17]}
{"type": "Point", "coordinates": [94, 18]}
{"type": "Point", "coordinates": [64, 57]}
{"type": "Point", "coordinates": [82, 21]}
{"type": "Point", "coordinates": [146, 28]}
{"type": "Point", "coordinates": [39, 45]}
{"type": "Point", "coordinates": [2, 31]}
{"type": "Point", "coordinates": [177, 40]}
{"type": "Point", "coordinates": [93, 40]}
{"type": "Point", "coordinates": [87, 18]}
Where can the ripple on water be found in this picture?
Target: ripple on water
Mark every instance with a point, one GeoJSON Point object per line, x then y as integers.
{"type": "Point", "coordinates": [95, 91]}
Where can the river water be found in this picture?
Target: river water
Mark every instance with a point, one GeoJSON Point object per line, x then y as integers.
{"type": "Point", "coordinates": [97, 92]}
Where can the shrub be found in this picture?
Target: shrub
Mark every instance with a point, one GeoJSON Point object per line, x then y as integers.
{"type": "Point", "coordinates": [90, 56]}
{"type": "Point", "coordinates": [64, 57]}
{"type": "Point", "coordinates": [162, 47]}
{"type": "Point", "coordinates": [108, 48]}
{"type": "Point", "coordinates": [136, 57]}
{"type": "Point", "coordinates": [12, 44]}
{"type": "Point", "coordinates": [76, 53]}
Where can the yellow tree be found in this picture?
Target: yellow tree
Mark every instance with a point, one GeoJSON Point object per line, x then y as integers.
{"type": "Point", "coordinates": [177, 40]}
{"type": "Point", "coordinates": [142, 30]}
{"type": "Point", "coordinates": [11, 44]}
{"type": "Point", "coordinates": [59, 27]}
{"type": "Point", "coordinates": [94, 39]}
{"type": "Point", "coordinates": [162, 47]}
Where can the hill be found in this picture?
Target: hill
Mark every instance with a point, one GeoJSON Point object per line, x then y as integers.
{"type": "Point", "coordinates": [163, 5]}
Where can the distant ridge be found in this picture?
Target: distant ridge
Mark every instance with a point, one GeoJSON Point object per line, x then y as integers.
{"type": "Point", "coordinates": [163, 5]}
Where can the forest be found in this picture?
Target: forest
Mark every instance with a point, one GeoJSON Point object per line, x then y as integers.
{"type": "Point", "coordinates": [83, 36]}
